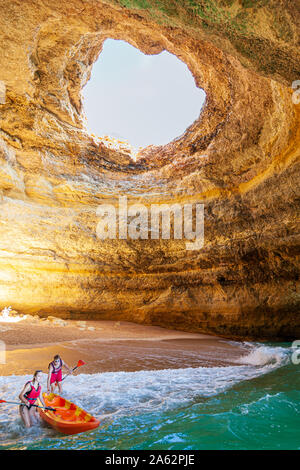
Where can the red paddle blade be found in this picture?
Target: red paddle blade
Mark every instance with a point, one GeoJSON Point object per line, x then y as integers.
{"type": "Point", "coordinates": [2, 401]}
{"type": "Point", "coordinates": [80, 363]}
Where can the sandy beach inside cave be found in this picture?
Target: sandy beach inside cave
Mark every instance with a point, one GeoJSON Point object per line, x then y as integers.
{"type": "Point", "coordinates": [109, 346]}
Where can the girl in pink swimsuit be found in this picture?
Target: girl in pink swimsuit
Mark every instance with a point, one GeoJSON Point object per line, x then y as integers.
{"type": "Point", "coordinates": [55, 373]}
{"type": "Point", "coordinates": [30, 394]}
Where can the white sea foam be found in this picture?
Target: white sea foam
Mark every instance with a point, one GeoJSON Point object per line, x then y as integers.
{"type": "Point", "coordinates": [264, 355]}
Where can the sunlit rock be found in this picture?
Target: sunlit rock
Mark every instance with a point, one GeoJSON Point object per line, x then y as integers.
{"type": "Point", "coordinates": [240, 158]}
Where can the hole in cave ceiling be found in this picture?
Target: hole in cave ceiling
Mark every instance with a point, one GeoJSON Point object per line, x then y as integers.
{"type": "Point", "coordinates": [135, 100]}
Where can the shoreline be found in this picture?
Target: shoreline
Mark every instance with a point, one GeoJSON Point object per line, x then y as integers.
{"type": "Point", "coordinates": [110, 346]}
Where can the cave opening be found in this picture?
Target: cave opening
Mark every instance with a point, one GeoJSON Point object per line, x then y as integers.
{"type": "Point", "coordinates": [134, 100]}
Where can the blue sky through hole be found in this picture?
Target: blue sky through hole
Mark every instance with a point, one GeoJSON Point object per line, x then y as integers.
{"type": "Point", "coordinates": [145, 99]}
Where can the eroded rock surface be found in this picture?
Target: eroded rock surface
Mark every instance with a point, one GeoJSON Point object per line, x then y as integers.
{"type": "Point", "coordinates": [240, 158]}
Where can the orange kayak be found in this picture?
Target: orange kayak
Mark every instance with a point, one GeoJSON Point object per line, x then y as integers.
{"type": "Point", "coordinates": [68, 418]}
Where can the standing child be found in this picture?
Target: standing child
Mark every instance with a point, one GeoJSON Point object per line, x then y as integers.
{"type": "Point", "coordinates": [55, 373]}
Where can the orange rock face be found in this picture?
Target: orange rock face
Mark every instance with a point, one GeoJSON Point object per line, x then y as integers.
{"type": "Point", "coordinates": [240, 159]}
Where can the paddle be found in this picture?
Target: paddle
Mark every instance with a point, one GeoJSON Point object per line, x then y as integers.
{"type": "Point", "coordinates": [79, 364]}
{"type": "Point", "coordinates": [23, 404]}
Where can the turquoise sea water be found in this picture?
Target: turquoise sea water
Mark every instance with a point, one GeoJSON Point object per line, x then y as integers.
{"type": "Point", "coordinates": [252, 405]}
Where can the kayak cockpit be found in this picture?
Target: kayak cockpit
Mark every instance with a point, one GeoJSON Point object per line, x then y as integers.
{"type": "Point", "coordinates": [67, 418]}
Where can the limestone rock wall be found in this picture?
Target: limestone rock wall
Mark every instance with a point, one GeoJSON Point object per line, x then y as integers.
{"type": "Point", "coordinates": [240, 158]}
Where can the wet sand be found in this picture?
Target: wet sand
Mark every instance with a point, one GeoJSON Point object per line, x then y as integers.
{"type": "Point", "coordinates": [109, 346]}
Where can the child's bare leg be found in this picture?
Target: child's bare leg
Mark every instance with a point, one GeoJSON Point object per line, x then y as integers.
{"type": "Point", "coordinates": [34, 416]}
{"type": "Point", "coordinates": [59, 387]}
{"type": "Point", "coordinates": [24, 413]}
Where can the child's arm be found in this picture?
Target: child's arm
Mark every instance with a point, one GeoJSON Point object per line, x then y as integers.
{"type": "Point", "coordinates": [49, 378]}
{"type": "Point", "coordinates": [42, 398]}
{"type": "Point", "coordinates": [21, 396]}
{"type": "Point", "coordinates": [67, 367]}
